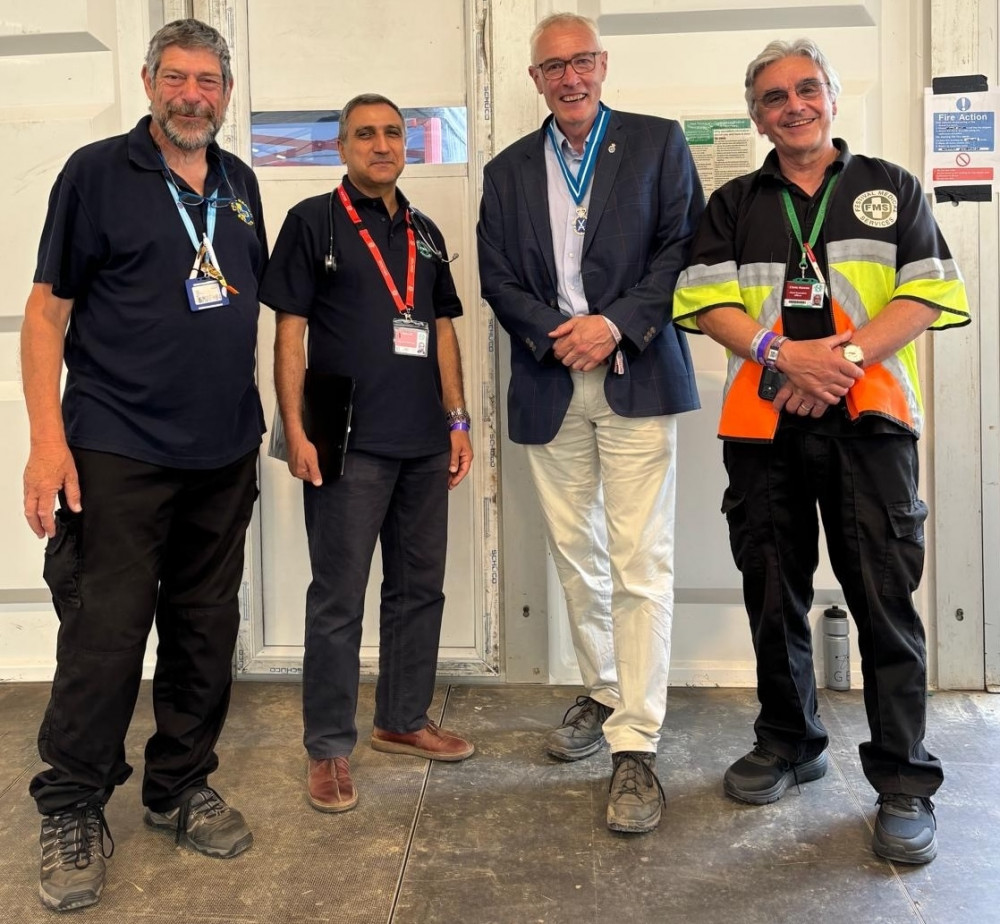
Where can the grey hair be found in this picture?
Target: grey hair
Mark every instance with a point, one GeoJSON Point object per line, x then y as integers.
{"type": "Point", "coordinates": [189, 33]}
{"type": "Point", "coordinates": [777, 51]}
{"type": "Point", "coordinates": [365, 99]}
{"type": "Point", "coordinates": [564, 19]}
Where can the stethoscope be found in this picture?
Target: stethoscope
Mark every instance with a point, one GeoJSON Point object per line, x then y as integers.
{"type": "Point", "coordinates": [417, 219]}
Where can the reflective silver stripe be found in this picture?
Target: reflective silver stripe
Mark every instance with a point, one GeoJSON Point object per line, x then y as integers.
{"type": "Point", "coordinates": [859, 250]}
{"type": "Point", "coordinates": [735, 364]}
{"type": "Point", "coordinates": [931, 268]}
{"type": "Point", "coordinates": [850, 301]}
{"type": "Point", "coordinates": [704, 275]}
{"type": "Point", "coordinates": [758, 275]}
{"type": "Point", "coordinates": [761, 274]}
{"type": "Point", "coordinates": [847, 297]}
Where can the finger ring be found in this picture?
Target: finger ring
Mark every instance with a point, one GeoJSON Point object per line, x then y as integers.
{"type": "Point", "coordinates": [806, 407]}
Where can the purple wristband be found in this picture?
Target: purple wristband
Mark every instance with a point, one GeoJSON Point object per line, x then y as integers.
{"type": "Point", "coordinates": [763, 345]}
{"type": "Point", "coordinates": [459, 425]}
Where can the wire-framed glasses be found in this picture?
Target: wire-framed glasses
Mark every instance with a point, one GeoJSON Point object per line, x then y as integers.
{"type": "Point", "coordinates": [583, 63]}
{"type": "Point", "coordinates": [805, 89]}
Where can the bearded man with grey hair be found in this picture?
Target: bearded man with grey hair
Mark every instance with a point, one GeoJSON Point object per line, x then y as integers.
{"type": "Point", "coordinates": [818, 272]}
{"type": "Point", "coordinates": [152, 453]}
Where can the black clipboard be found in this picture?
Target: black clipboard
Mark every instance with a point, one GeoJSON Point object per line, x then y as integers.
{"type": "Point", "coordinates": [327, 406]}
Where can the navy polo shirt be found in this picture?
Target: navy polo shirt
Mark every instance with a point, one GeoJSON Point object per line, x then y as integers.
{"type": "Point", "coordinates": [397, 401]}
{"type": "Point", "coordinates": [147, 377]}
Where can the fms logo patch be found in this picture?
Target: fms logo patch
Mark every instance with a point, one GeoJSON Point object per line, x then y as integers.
{"type": "Point", "coordinates": [877, 208]}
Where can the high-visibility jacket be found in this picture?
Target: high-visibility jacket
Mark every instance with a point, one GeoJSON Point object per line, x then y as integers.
{"type": "Point", "coordinates": [879, 242]}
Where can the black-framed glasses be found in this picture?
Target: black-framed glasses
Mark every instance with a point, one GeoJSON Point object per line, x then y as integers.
{"type": "Point", "coordinates": [583, 63]}
{"type": "Point", "coordinates": [805, 89]}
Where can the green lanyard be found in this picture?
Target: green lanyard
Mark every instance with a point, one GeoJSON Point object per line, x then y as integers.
{"type": "Point", "coordinates": [793, 219]}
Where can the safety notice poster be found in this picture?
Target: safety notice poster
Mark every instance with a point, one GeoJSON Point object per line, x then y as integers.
{"type": "Point", "coordinates": [960, 131]}
{"type": "Point", "coordinates": [722, 148]}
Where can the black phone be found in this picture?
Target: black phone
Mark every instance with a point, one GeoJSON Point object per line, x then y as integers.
{"type": "Point", "coordinates": [770, 381]}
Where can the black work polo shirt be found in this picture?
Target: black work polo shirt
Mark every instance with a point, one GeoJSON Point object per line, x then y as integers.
{"type": "Point", "coordinates": [147, 377]}
{"type": "Point", "coordinates": [397, 400]}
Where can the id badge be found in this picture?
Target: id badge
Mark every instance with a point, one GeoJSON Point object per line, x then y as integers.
{"type": "Point", "coordinates": [410, 338]}
{"type": "Point", "coordinates": [804, 293]}
{"type": "Point", "coordinates": [205, 293]}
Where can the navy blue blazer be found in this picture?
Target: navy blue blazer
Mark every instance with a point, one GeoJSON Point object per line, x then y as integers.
{"type": "Point", "coordinates": [645, 204]}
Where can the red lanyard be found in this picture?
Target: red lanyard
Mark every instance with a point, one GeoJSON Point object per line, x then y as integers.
{"type": "Point", "coordinates": [406, 307]}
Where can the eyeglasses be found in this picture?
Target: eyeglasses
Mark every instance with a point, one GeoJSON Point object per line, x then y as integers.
{"type": "Point", "coordinates": [806, 89]}
{"type": "Point", "coordinates": [582, 63]}
{"type": "Point", "coordinates": [192, 199]}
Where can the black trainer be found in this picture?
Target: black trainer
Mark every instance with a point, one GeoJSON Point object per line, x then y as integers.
{"type": "Point", "coordinates": [73, 868]}
{"type": "Point", "coordinates": [905, 829]}
{"type": "Point", "coordinates": [635, 796]}
{"type": "Point", "coordinates": [581, 732]}
{"type": "Point", "coordinates": [206, 824]}
{"type": "Point", "coordinates": [761, 777]}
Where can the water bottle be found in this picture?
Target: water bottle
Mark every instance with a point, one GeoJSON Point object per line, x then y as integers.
{"type": "Point", "coordinates": [836, 649]}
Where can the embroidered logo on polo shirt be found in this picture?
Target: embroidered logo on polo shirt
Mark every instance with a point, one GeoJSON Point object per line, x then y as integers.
{"type": "Point", "coordinates": [877, 208]}
{"type": "Point", "coordinates": [424, 250]}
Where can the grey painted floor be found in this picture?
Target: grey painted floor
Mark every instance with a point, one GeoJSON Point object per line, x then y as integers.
{"type": "Point", "coordinates": [511, 837]}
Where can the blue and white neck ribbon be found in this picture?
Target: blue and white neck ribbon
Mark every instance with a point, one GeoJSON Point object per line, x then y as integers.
{"type": "Point", "coordinates": [578, 184]}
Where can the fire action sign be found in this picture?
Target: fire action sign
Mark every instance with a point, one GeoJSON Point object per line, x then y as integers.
{"type": "Point", "coordinates": [961, 139]}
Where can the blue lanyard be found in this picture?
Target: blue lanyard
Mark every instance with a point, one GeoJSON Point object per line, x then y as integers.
{"type": "Point", "coordinates": [578, 184]}
{"type": "Point", "coordinates": [188, 224]}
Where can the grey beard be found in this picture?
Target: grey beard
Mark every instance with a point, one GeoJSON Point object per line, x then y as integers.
{"type": "Point", "coordinates": [189, 142]}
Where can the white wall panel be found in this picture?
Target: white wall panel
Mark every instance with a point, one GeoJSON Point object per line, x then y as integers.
{"type": "Point", "coordinates": [59, 90]}
{"type": "Point", "coordinates": [318, 55]}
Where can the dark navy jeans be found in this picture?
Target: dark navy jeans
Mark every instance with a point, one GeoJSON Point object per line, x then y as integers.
{"type": "Point", "coordinates": [402, 503]}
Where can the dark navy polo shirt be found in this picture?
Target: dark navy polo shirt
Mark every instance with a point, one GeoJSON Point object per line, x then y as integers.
{"type": "Point", "coordinates": [147, 377]}
{"type": "Point", "coordinates": [397, 404]}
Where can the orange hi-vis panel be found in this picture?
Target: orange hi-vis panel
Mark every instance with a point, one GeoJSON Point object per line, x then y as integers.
{"type": "Point", "coordinates": [746, 416]}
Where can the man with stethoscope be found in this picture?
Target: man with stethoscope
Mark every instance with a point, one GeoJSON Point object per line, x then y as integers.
{"type": "Point", "coordinates": [366, 275]}
{"type": "Point", "coordinates": [146, 285]}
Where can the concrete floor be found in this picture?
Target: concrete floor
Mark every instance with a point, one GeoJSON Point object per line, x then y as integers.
{"type": "Point", "coordinates": [512, 837]}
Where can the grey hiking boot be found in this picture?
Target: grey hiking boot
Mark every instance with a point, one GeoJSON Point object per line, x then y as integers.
{"type": "Point", "coordinates": [635, 797]}
{"type": "Point", "coordinates": [582, 731]}
{"type": "Point", "coordinates": [73, 868]}
{"type": "Point", "coordinates": [206, 824]}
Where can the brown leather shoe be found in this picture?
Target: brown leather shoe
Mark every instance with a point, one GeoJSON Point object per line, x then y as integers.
{"type": "Point", "coordinates": [431, 743]}
{"type": "Point", "coordinates": [331, 788]}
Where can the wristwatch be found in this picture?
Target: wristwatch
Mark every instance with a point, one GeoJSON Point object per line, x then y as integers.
{"type": "Point", "coordinates": [854, 354]}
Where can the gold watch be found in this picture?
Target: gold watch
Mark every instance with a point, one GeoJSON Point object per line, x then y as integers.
{"type": "Point", "coordinates": [854, 354]}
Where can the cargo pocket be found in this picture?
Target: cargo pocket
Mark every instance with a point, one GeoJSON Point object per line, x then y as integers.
{"type": "Point", "coordinates": [735, 510]}
{"type": "Point", "coordinates": [61, 570]}
{"type": "Point", "coordinates": [904, 552]}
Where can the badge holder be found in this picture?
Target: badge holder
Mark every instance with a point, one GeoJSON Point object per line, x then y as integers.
{"type": "Point", "coordinates": [803, 292]}
{"type": "Point", "coordinates": [205, 286]}
{"type": "Point", "coordinates": [409, 337]}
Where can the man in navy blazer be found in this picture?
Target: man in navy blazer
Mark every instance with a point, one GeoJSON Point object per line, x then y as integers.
{"type": "Point", "coordinates": [584, 228]}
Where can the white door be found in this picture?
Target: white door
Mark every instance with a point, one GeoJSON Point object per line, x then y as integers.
{"type": "Point", "coordinates": [294, 71]}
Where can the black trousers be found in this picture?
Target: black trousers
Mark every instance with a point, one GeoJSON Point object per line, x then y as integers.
{"type": "Point", "coordinates": [150, 542]}
{"type": "Point", "coordinates": [402, 504]}
{"type": "Point", "coordinates": [866, 490]}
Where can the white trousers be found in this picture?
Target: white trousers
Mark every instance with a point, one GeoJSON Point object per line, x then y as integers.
{"type": "Point", "coordinates": [606, 486]}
